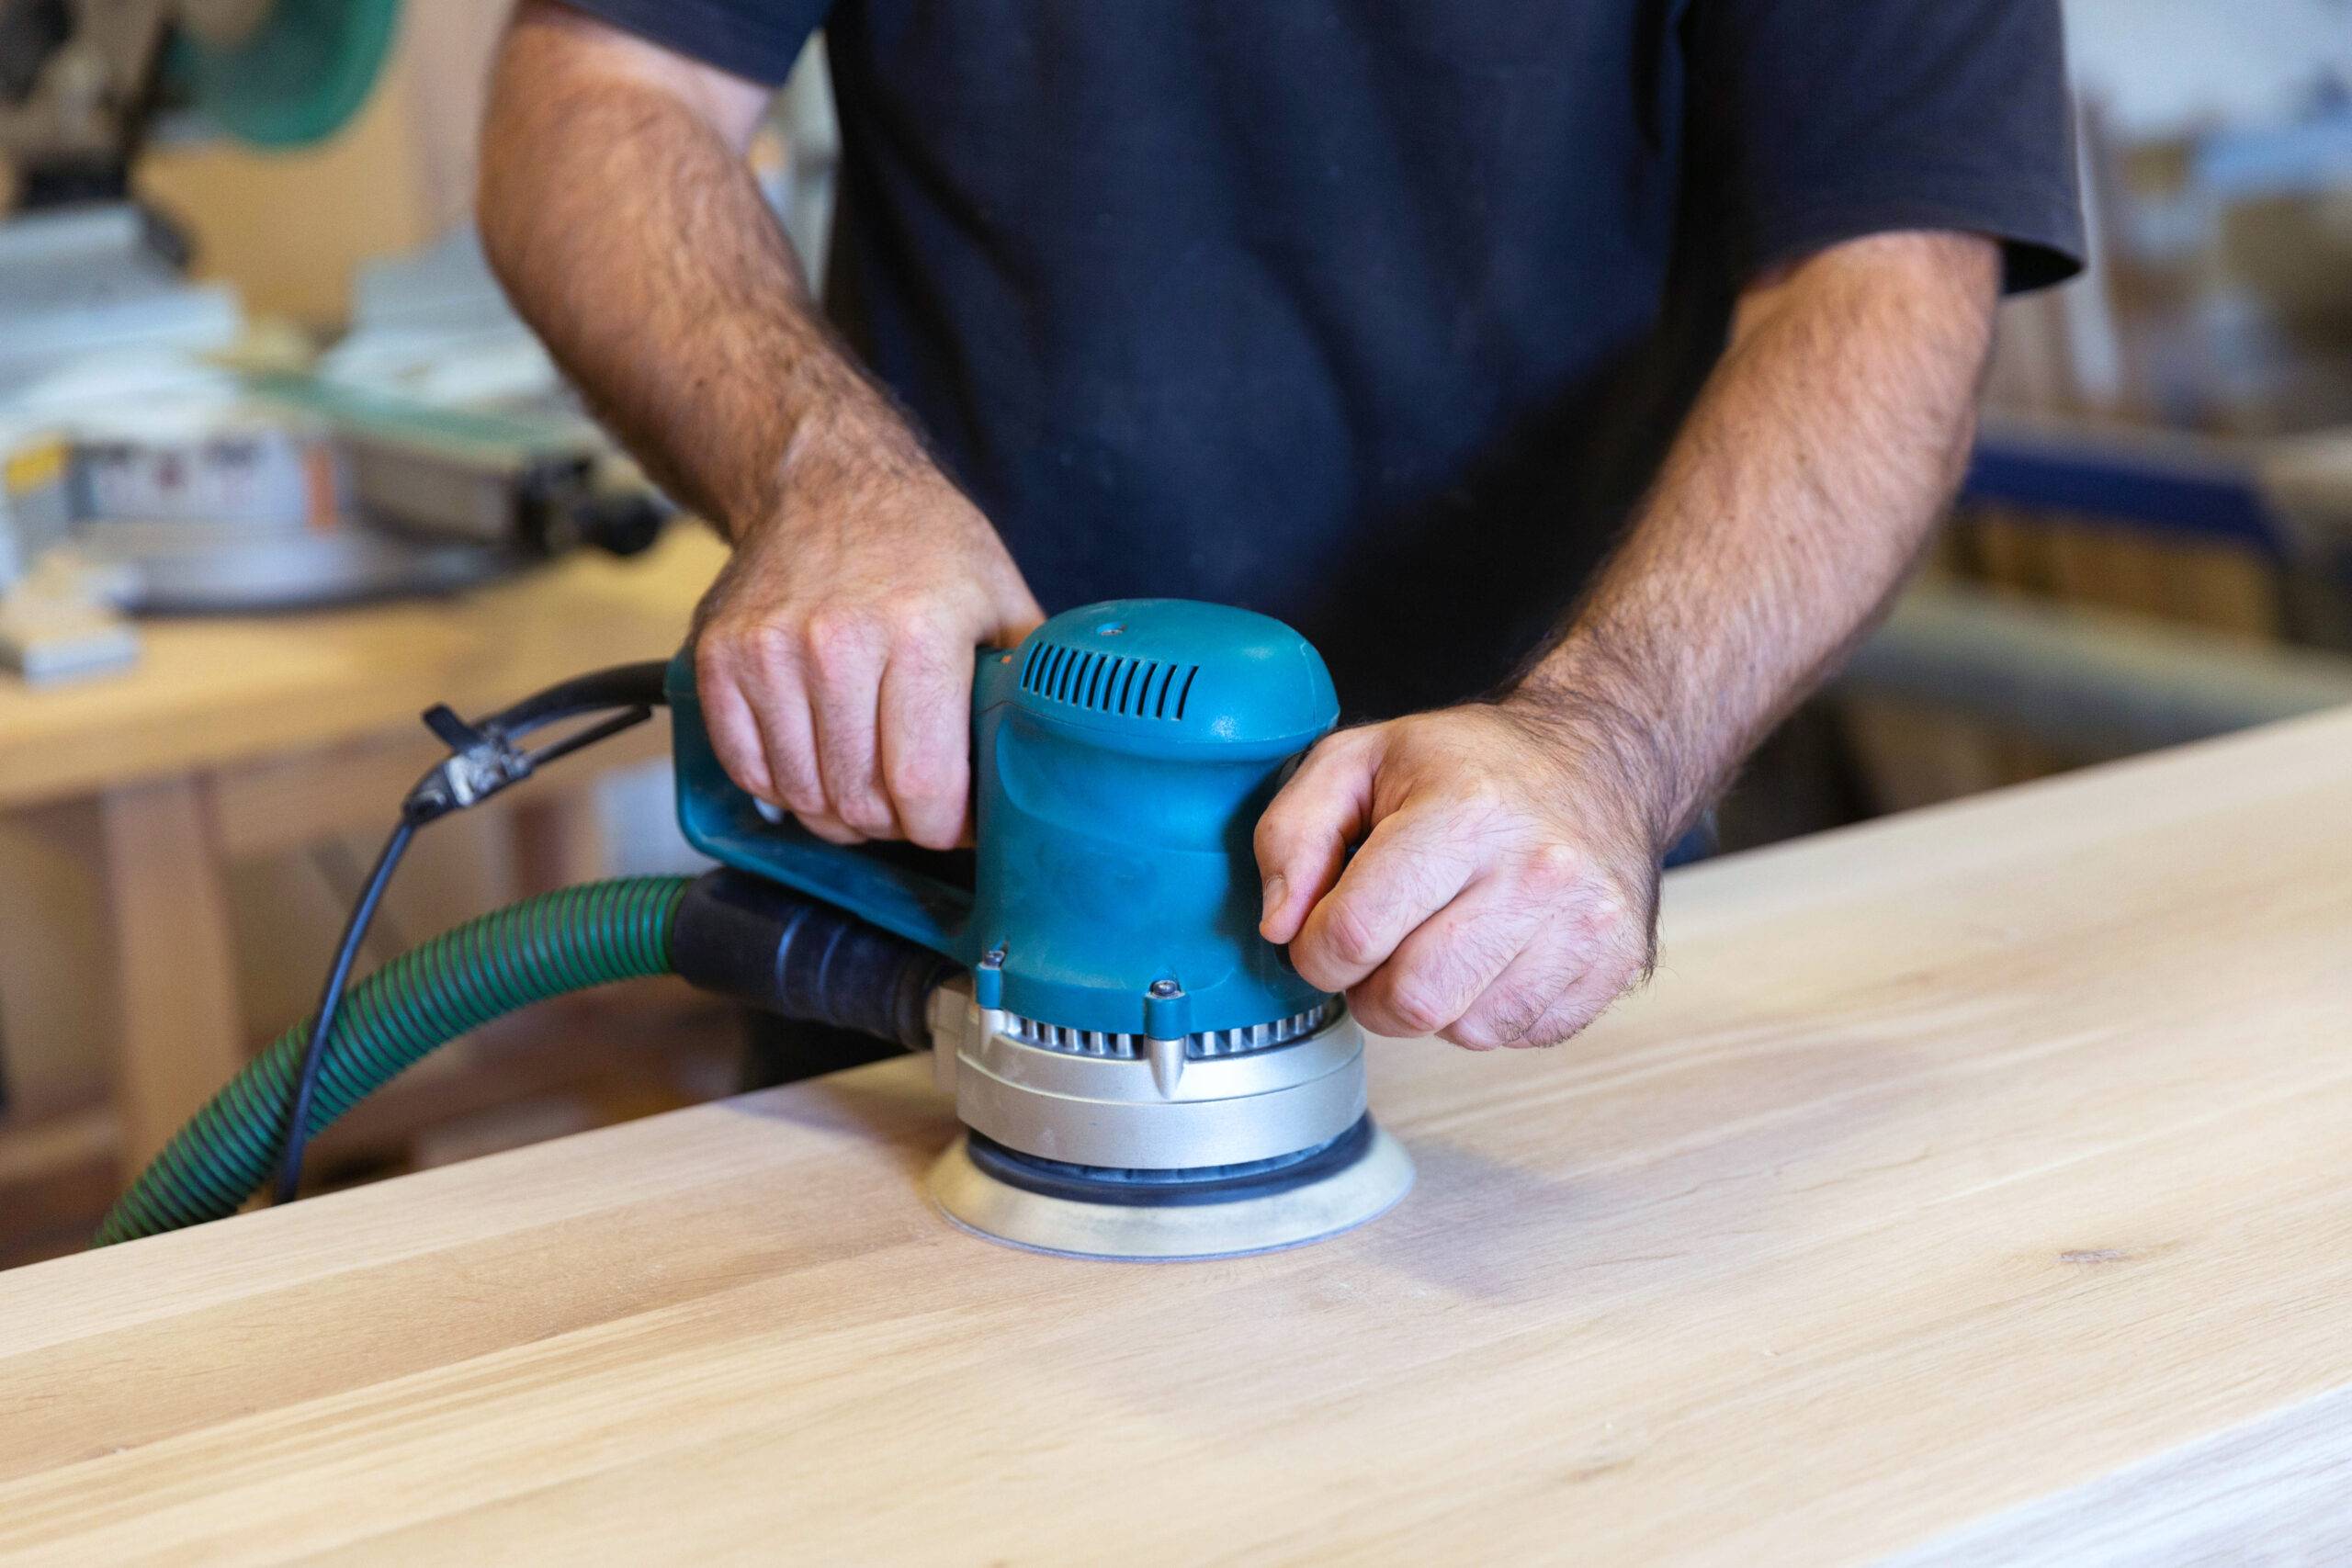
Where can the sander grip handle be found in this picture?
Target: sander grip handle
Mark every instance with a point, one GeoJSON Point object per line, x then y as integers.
{"type": "Point", "coordinates": [727, 825]}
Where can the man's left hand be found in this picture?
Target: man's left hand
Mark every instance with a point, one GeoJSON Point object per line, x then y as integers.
{"type": "Point", "coordinates": [1506, 884]}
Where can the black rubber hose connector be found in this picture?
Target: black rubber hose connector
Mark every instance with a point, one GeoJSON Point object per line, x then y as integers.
{"type": "Point", "coordinates": [766, 946]}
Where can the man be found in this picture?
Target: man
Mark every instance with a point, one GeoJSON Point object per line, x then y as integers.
{"type": "Point", "coordinates": [1383, 316]}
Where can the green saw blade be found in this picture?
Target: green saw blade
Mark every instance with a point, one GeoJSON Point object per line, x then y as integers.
{"type": "Point", "coordinates": [298, 77]}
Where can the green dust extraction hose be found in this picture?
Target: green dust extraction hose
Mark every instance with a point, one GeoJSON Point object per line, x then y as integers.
{"type": "Point", "coordinates": [543, 947]}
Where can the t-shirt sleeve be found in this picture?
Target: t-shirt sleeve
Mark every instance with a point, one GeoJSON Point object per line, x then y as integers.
{"type": "Point", "coordinates": [756, 39]}
{"type": "Point", "coordinates": [1813, 122]}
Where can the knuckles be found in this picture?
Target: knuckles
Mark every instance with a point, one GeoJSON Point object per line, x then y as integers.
{"type": "Point", "coordinates": [1321, 961]}
{"type": "Point", "coordinates": [757, 635]}
{"type": "Point", "coordinates": [916, 624]}
{"type": "Point", "coordinates": [919, 779]}
{"type": "Point", "coordinates": [833, 640]}
{"type": "Point", "coordinates": [1313, 966]}
{"type": "Point", "coordinates": [1268, 840]}
{"type": "Point", "coordinates": [868, 823]}
{"type": "Point", "coordinates": [1506, 1021]}
{"type": "Point", "coordinates": [767, 644]}
{"type": "Point", "coordinates": [1417, 1010]}
{"type": "Point", "coordinates": [1551, 868]}
{"type": "Point", "coordinates": [1348, 934]}
{"type": "Point", "coordinates": [1618, 937]}
{"type": "Point", "coordinates": [869, 815]}
{"type": "Point", "coordinates": [722, 651]}
{"type": "Point", "coordinates": [750, 653]}
{"type": "Point", "coordinates": [841, 639]}
{"type": "Point", "coordinates": [1568, 869]}
{"type": "Point", "coordinates": [1481, 798]}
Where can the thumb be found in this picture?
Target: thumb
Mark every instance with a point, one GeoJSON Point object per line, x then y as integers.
{"type": "Point", "coordinates": [1302, 841]}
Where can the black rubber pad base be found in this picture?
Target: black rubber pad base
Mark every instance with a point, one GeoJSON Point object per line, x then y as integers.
{"type": "Point", "coordinates": [1139, 1188]}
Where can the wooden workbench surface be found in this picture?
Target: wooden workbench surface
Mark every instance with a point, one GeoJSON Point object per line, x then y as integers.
{"type": "Point", "coordinates": [212, 689]}
{"type": "Point", "coordinates": [1975, 1185]}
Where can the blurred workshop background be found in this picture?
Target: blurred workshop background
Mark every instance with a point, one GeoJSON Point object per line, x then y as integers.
{"type": "Point", "coordinates": [281, 468]}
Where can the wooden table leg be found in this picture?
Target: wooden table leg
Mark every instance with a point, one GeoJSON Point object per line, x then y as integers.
{"type": "Point", "coordinates": [182, 1031]}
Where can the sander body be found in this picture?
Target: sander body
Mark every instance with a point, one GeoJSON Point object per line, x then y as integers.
{"type": "Point", "coordinates": [1139, 1074]}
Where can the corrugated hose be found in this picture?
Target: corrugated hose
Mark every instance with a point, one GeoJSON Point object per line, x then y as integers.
{"type": "Point", "coordinates": [547, 946]}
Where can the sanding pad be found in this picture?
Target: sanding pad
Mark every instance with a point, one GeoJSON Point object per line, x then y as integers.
{"type": "Point", "coordinates": [990, 1199]}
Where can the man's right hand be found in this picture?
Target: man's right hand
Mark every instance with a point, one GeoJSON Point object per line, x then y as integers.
{"type": "Point", "coordinates": [835, 655]}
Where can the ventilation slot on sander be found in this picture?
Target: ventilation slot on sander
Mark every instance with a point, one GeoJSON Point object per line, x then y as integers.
{"type": "Point", "coordinates": [1198, 1046]}
{"type": "Point", "coordinates": [1132, 688]}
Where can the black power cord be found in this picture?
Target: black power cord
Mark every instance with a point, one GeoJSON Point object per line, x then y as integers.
{"type": "Point", "coordinates": [483, 760]}
{"type": "Point", "coordinates": [306, 1083]}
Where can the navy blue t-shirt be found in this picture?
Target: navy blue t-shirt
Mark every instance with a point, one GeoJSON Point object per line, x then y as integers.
{"type": "Point", "coordinates": [1375, 315]}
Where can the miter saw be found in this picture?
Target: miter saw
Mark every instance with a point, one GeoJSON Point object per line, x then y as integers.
{"type": "Point", "coordinates": [187, 486]}
{"type": "Point", "coordinates": [101, 325]}
{"type": "Point", "coordinates": [81, 79]}
{"type": "Point", "coordinates": [1138, 1073]}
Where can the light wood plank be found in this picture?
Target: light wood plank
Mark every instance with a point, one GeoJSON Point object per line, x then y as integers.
{"type": "Point", "coordinates": [2268, 1494]}
{"type": "Point", "coordinates": [1959, 1173]}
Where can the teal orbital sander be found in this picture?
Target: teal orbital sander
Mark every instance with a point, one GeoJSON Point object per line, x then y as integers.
{"type": "Point", "coordinates": [1138, 1073]}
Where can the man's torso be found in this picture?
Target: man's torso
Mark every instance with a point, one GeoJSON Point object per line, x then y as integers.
{"type": "Point", "coordinates": [1359, 315]}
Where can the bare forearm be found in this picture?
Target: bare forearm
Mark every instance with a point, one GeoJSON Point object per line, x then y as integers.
{"type": "Point", "coordinates": [615, 206]}
{"type": "Point", "coordinates": [835, 655]}
{"type": "Point", "coordinates": [1801, 489]}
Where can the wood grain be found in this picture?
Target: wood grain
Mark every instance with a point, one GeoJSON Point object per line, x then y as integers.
{"type": "Point", "coordinates": [2271, 1492]}
{"type": "Point", "coordinates": [1967, 1173]}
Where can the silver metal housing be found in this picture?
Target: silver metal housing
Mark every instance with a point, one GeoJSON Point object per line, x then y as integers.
{"type": "Point", "coordinates": [1135, 1102]}
{"type": "Point", "coordinates": [1138, 1102]}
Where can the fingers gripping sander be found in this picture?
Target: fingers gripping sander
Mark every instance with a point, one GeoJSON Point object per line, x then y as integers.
{"type": "Point", "coordinates": [1139, 1074]}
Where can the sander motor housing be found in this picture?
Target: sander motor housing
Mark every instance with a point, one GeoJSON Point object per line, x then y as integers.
{"type": "Point", "coordinates": [1117, 1029]}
